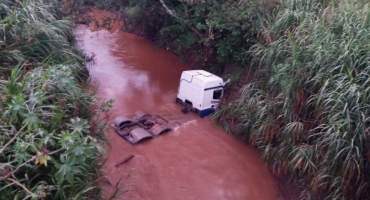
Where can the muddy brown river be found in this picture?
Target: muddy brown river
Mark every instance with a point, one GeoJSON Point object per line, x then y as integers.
{"type": "Point", "coordinates": [197, 160]}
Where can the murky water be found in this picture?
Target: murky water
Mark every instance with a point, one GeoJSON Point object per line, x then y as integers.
{"type": "Point", "coordinates": [197, 160]}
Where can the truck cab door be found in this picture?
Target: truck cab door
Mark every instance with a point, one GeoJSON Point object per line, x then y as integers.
{"type": "Point", "coordinates": [218, 94]}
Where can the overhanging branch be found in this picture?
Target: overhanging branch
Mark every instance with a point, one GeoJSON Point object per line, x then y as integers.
{"type": "Point", "coordinates": [186, 22]}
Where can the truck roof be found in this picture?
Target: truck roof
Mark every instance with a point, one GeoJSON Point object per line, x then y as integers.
{"type": "Point", "coordinates": [208, 79]}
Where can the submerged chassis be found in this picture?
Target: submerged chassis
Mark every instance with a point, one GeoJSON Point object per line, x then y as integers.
{"type": "Point", "coordinates": [144, 126]}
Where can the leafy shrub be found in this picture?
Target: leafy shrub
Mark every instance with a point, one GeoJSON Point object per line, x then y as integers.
{"type": "Point", "coordinates": [180, 38]}
{"type": "Point", "coordinates": [50, 135]}
{"type": "Point", "coordinates": [219, 31]}
{"type": "Point", "coordinates": [48, 148]}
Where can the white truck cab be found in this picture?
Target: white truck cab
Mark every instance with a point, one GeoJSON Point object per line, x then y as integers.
{"type": "Point", "coordinates": [200, 91]}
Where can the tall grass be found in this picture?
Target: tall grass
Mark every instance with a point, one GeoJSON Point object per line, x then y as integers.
{"type": "Point", "coordinates": [308, 112]}
{"type": "Point", "coordinates": [50, 134]}
{"type": "Point", "coordinates": [33, 31]}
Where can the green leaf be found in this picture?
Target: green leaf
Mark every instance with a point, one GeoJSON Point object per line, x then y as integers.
{"type": "Point", "coordinates": [79, 125]}
{"type": "Point", "coordinates": [36, 98]}
{"type": "Point", "coordinates": [17, 105]}
{"type": "Point", "coordinates": [68, 169]}
{"type": "Point", "coordinates": [69, 178]}
{"type": "Point", "coordinates": [79, 150]}
{"type": "Point", "coordinates": [68, 138]}
{"type": "Point", "coordinates": [32, 120]}
{"type": "Point", "coordinates": [63, 171]}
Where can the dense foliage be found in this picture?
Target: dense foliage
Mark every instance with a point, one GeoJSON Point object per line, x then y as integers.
{"type": "Point", "coordinates": [216, 32]}
{"type": "Point", "coordinates": [34, 31]}
{"type": "Point", "coordinates": [308, 112]}
{"type": "Point", "coordinates": [50, 136]}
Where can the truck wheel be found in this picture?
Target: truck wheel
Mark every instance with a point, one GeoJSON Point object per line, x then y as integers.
{"type": "Point", "coordinates": [142, 116]}
{"type": "Point", "coordinates": [121, 121]}
{"type": "Point", "coordinates": [185, 110]}
{"type": "Point", "coordinates": [178, 101]}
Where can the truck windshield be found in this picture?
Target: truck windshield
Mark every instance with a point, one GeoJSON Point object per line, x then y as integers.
{"type": "Point", "coordinates": [217, 94]}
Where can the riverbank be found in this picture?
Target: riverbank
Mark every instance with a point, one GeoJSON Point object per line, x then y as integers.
{"type": "Point", "coordinates": [51, 140]}
{"type": "Point", "coordinates": [310, 123]}
{"type": "Point", "coordinates": [197, 160]}
{"type": "Point", "coordinates": [288, 189]}
{"type": "Point", "coordinates": [313, 125]}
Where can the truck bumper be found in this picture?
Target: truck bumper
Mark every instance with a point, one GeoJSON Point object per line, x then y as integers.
{"type": "Point", "coordinates": [206, 112]}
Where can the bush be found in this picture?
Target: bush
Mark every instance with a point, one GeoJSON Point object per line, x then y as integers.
{"type": "Point", "coordinates": [48, 144]}
{"type": "Point", "coordinates": [219, 31]}
{"type": "Point", "coordinates": [50, 135]}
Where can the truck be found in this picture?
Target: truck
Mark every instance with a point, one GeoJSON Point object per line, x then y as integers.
{"type": "Point", "coordinates": [199, 91]}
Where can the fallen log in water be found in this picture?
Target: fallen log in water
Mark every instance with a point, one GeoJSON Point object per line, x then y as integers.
{"type": "Point", "coordinates": [125, 160]}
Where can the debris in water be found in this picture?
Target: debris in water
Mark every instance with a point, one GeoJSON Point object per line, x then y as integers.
{"type": "Point", "coordinates": [125, 160]}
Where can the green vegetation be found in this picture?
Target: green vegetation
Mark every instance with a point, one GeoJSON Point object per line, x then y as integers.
{"type": "Point", "coordinates": [308, 111]}
{"type": "Point", "coordinates": [215, 32]}
{"type": "Point", "coordinates": [34, 31]}
{"type": "Point", "coordinates": [50, 136]}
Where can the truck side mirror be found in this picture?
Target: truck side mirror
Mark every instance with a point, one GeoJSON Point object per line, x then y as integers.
{"type": "Point", "coordinates": [226, 82]}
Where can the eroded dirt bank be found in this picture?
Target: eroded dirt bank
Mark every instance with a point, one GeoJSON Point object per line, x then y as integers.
{"type": "Point", "coordinates": [197, 160]}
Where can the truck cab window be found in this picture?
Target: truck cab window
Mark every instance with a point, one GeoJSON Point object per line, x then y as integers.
{"type": "Point", "coordinates": [217, 94]}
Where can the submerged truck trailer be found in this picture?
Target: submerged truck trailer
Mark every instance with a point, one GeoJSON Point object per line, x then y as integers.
{"type": "Point", "coordinates": [199, 91]}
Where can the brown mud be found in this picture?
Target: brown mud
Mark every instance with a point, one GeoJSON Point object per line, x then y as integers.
{"type": "Point", "coordinates": [197, 160]}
